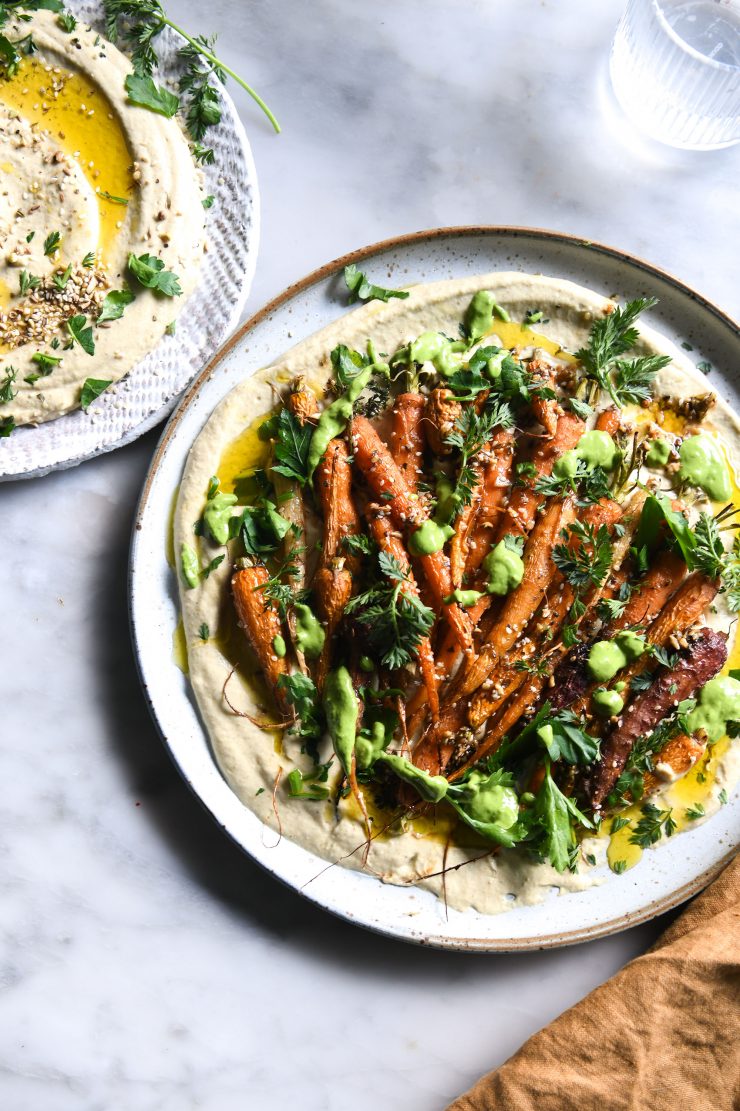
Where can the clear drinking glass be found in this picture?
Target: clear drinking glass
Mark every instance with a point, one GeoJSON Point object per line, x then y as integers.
{"type": "Point", "coordinates": [675, 70]}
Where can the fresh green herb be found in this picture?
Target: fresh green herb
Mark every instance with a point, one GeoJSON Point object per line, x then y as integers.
{"type": "Point", "coordinates": [695, 812]}
{"type": "Point", "coordinates": [590, 484]}
{"type": "Point", "coordinates": [139, 22]}
{"type": "Point", "coordinates": [11, 53]}
{"type": "Point", "coordinates": [261, 527]}
{"type": "Point", "coordinates": [641, 682]}
{"type": "Point", "coordinates": [526, 470]}
{"type": "Point", "coordinates": [565, 739]}
{"type": "Point", "coordinates": [208, 201]}
{"type": "Point", "coordinates": [171, 328]}
{"type": "Point", "coordinates": [626, 381]}
{"type": "Point", "coordinates": [535, 316]}
{"type": "Point", "coordinates": [7, 426]}
{"type": "Point", "coordinates": [60, 280]}
{"type": "Point", "coordinates": [82, 335]}
{"type": "Point", "coordinates": [686, 346]}
{"type": "Point", "coordinates": [300, 691]}
{"type": "Point", "coordinates": [204, 156]}
{"type": "Point", "coordinates": [652, 825]}
{"type": "Point", "coordinates": [92, 389]}
{"type": "Point", "coordinates": [302, 786]}
{"type": "Point", "coordinates": [7, 390]}
{"type": "Point", "coordinates": [204, 632]}
{"type": "Point", "coordinates": [114, 304]}
{"type": "Point", "coordinates": [587, 562]}
{"type": "Point", "coordinates": [553, 817]}
{"type": "Point", "coordinates": [360, 289]}
{"type": "Point", "coordinates": [705, 367]}
{"type": "Point", "coordinates": [89, 260]}
{"type": "Point", "coordinates": [292, 443]}
{"type": "Point", "coordinates": [590, 859]}
{"type": "Point", "coordinates": [145, 93]}
{"type": "Point", "coordinates": [45, 361]}
{"type": "Point", "coordinates": [722, 796]}
{"type": "Point", "coordinates": [211, 567]}
{"type": "Point", "coordinates": [27, 281]}
{"type": "Point", "coordinates": [29, 237]}
{"type": "Point", "coordinates": [618, 866]}
{"type": "Point", "coordinates": [51, 243]}
{"type": "Point", "coordinates": [471, 433]}
{"type": "Point", "coordinates": [150, 272]}
{"type": "Point", "coordinates": [618, 823]}
{"type": "Point", "coordinates": [111, 197]}
{"type": "Point", "coordinates": [580, 408]}
{"type": "Point", "coordinates": [393, 619]}
{"type": "Point", "coordinates": [359, 544]}
{"type": "Point", "coordinates": [67, 22]}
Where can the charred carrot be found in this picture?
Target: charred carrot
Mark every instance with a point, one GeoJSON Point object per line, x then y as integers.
{"type": "Point", "coordinates": [376, 463]}
{"type": "Point", "coordinates": [390, 542]}
{"type": "Point", "coordinates": [334, 487]}
{"type": "Point", "coordinates": [333, 589]}
{"type": "Point", "coordinates": [519, 515]}
{"type": "Point", "coordinates": [546, 409]}
{"type": "Point", "coordinates": [441, 413]}
{"type": "Point", "coordinates": [259, 619]}
{"type": "Point", "coordinates": [407, 436]}
{"type": "Point", "coordinates": [678, 755]}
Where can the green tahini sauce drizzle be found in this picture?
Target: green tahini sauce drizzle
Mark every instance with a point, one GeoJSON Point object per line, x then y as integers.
{"type": "Point", "coordinates": [704, 465]}
{"type": "Point", "coordinates": [718, 704]}
{"type": "Point", "coordinates": [340, 706]}
{"type": "Point", "coordinates": [505, 569]}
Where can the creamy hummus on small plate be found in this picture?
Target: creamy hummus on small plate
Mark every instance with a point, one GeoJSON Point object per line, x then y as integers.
{"type": "Point", "coordinates": [88, 180]}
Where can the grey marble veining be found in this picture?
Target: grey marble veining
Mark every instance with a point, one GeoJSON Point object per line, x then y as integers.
{"type": "Point", "coordinates": [144, 962]}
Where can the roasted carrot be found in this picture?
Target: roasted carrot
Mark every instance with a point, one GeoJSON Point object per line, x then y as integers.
{"type": "Point", "coordinates": [259, 619]}
{"type": "Point", "coordinates": [407, 436]}
{"type": "Point", "coordinates": [302, 404]}
{"type": "Point", "coordinates": [651, 593]}
{"type": "Point", "coordinates": [333, 589]}
{"type": "Point", "coordinates": [334, 487]}
{"type": "Point", "coordinates": [519, 515]}
{"type": "Point", "coordinates": [515, 707]}
{"type": "Point", "coordinates": [678, 755]}
{"type": "Point", "coordinates": [609, 420]}
{"type": "Point", "coordinates": [442, 410]}
{"type": "Point", "coordinates": [390, 542]}
{"type": "Point", "coordinates": [385, 479]}
{"type": "Point", "coordinates": [546, 409]}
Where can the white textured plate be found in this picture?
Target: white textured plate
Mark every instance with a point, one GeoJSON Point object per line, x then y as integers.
{"type": "Point", "coordinates": [664, 877]}
{"type": "Point", "coordinates": [148, 392]}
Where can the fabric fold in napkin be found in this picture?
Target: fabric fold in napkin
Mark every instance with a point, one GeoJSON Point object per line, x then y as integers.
{"type": "Point", "coordinates": [661, 1035]}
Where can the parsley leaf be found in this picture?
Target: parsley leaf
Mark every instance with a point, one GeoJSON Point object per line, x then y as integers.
{"type": "Point", "coordinates": [470, 434]}
{"type": "Point", "coordinates": [82, 335]}
{"type": "Point", "coordinates": [27, 281]}
{"type": "Point", "coordinates": [92, 389]}
{"type": "Point", "coordinates": [150, 272]}
{"type": "Point", "coordinates": [7, 426]}
{"type": "Point", "coordinates": [292, 443]}
{"type": "Point", "coordinates": [144, 93]}
{"type": "Point", "coordinates": [7, 390]}
{"type": "Point", "coordinates": [114, 304]}
{"type": "Point", "coordinates": [652, 825]}
{"type": "Point", "coordinates": [360, 289]}
{"type": "Point", "coordinates": [393, 619]}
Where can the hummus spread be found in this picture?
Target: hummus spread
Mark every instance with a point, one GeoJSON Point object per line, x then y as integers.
{"type": "Point", "coordinates": [88, 179]}
{"type": "Point", "coordinates": [255, 759]}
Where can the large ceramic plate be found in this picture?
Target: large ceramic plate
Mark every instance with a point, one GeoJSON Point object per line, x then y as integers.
{"type": "Point", "coordinates": [664, 877]}
{"type": "Point", "coordinates": [148, 392]}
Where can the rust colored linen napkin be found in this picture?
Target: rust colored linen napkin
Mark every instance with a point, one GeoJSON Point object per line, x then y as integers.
{"type": "Point", "coordinates": [661, 1035]}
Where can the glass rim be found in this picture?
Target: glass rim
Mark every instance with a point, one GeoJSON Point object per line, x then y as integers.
{"type": "Point", "coordinates": [727, 67]}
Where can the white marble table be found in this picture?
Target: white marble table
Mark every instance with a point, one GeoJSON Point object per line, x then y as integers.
{"type": "Point", "coordinates": [145, 963]}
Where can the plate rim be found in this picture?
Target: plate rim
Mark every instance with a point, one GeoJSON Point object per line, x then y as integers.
{"type": "Point", "coordinates": [164, 411]}
{"type": "Point", "coordinates": [561, 939]}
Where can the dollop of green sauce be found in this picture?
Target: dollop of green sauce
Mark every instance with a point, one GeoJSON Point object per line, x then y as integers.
{"type": "Point", "coordinates": [718, 704]}
{"type": "Point", "coordinates": [309, 634]}
{"type": "Point", "coordinates": [429, 538]}
{"type": "Point", "coordinates": [337, 416]}
{"type": "Point", "coordinates": [595, 449]}
{"type": "Point", "coordinates": [607, 703]}
{"type": "Point", "coordinates": [504, 567]}
{"type": "Point", "coordinates": [704, 465]}
{"type": "Point", "coordinates": [490, 802]}
{"type": "Point", "coordinates": [368, 748]}
{"type": "Point", "coordinates": [444, 354]}
{"type": "Point", "coordinates": [607, 657]}
{"type": "Point", "coordinates": [478, 319]}
{"type": "Point", "coordinates": [658, 453]}
{"type": "Point", "coordinates": [433, 788]}
{"type": "Point", "coordinates": [340, 707]}
{"type": "Point", "coordinates": [279, 646]}
{"type": "Point", "coordinates": [216, 516]}
{"type": "Point", "coordinates": [463, 597]}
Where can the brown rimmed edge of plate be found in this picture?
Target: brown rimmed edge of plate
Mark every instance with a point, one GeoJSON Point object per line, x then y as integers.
{"type": "Point", "coordinates": [471, 945]}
